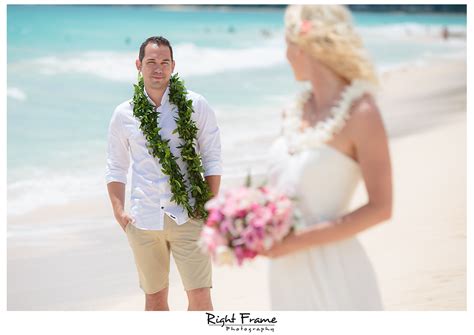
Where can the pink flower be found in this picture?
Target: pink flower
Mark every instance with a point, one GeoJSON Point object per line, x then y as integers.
{"type": "Point", "coordinates": [230, 208]}
{"type": "Point", "coordinates": [211, 239]}
{"type": "Point", "coordinates": [242, 253]}
{"type": "Point", "coordinates": [272, 207]}
{"type": "Point", "coordinates": [264, 214]}
{"type": "Point", "coordinates": [305, 27]}
{"type": "Point", "coordinates": [225, 226]}
{"type": "Point", "coordinates": [241, 214]}
{"type": "Point", "coordinates": [253, 238]}
{"type": "Point", "coordinates": [250, 254]}
{"type": "Point", "coordinates": [214, 218]}
{"type": "Point", "coordinates": [249, 238]}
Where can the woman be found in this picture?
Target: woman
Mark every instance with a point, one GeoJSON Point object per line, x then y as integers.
{"type": "Point", "coordinates": [332, 138]}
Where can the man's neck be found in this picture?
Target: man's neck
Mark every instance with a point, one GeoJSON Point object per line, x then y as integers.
{"type": "Point", "coordinates": [156, 95]}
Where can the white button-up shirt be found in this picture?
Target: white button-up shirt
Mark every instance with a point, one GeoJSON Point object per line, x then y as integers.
{"type": "Point", "coordinates": [150, 189]}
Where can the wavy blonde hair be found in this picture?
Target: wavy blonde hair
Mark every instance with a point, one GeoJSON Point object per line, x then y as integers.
{"type": "Point", "coordinates": [326, 32]}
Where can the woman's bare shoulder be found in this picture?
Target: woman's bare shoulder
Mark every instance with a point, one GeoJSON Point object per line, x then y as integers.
{"type": "Point", "coordinates": [365, 116]}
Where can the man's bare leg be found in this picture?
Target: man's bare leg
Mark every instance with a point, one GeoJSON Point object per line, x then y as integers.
{"type": "Point", "coordinates": [157, 301]}
{"type": "Point", "coordinates": [200, 299]}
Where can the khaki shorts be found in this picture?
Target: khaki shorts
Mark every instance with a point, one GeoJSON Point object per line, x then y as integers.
{"type": "Point", "coordinates": [151, 249]}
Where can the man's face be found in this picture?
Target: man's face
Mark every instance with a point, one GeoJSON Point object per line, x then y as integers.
{"type": "Point", "coordinates": [156, 66]}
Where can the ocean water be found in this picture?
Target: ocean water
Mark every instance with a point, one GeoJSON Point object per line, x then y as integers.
{"type": "Point", "coordinates": [69, 66]}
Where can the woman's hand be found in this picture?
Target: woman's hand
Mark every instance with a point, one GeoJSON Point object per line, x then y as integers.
{"type": "Point", "coordinates": [287, 246]}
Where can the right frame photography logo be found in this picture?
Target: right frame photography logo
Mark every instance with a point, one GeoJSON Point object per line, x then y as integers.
{"type": "Point", "coordinates": [242, 322]}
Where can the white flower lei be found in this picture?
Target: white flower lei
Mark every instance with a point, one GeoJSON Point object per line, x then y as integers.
{"type": "Point", "coordinates": [325, 130]}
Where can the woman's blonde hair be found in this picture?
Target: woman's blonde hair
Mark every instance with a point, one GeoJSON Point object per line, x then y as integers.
{"type": "Point", "coordinates": [326, 32]}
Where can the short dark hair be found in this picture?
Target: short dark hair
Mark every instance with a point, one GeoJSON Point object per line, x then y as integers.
{"type": "Point", "coordinates": [158, 40]}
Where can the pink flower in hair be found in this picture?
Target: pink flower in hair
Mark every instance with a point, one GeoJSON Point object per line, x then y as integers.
{"type": "Point", "coordinates": [305, 27]}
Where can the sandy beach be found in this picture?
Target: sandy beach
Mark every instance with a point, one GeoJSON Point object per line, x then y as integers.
{"type": "Point", "coordinates": [79, 259]}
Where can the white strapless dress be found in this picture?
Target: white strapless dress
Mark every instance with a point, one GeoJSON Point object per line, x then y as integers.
{"type": "Point", "coordinates": [336, 276]}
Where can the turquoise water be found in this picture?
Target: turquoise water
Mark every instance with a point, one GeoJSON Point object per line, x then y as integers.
{"type": "Point", "coordinates": [378, 19]}
{"type": "Point", "coordinates": [67, 29]}
{"type": "Point", "coordinates": [69, 66]}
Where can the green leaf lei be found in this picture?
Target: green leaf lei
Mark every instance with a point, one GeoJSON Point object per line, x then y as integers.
{"type": "Point", "coordinates": [186, 128]}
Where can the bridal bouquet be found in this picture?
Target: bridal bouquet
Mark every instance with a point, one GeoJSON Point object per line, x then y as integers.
{"type": "Point", "coordinates": [245, 221]}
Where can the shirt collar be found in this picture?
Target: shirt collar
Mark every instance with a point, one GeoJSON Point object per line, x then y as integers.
{"type": "Point", "coordinates": [164, 99]}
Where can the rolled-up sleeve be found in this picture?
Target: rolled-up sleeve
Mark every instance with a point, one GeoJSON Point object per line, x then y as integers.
{"type": "Point", "coordinates": [208, 138]}
{"type": "Point", "coordinates": [118, 158]}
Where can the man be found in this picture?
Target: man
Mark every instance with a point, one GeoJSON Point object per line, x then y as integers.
{"type": "Point", "coordinates": [159, 222]}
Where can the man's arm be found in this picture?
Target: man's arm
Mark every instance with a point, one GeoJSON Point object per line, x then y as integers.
{"type": "Point", "coordinates": [214, 183]}
{"type": "Point", "coordinates": [118, 161]}
{"type": "Point", "coordinates": [117, 198]}
{"type": "Point", "coordinates": [209, 144]}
